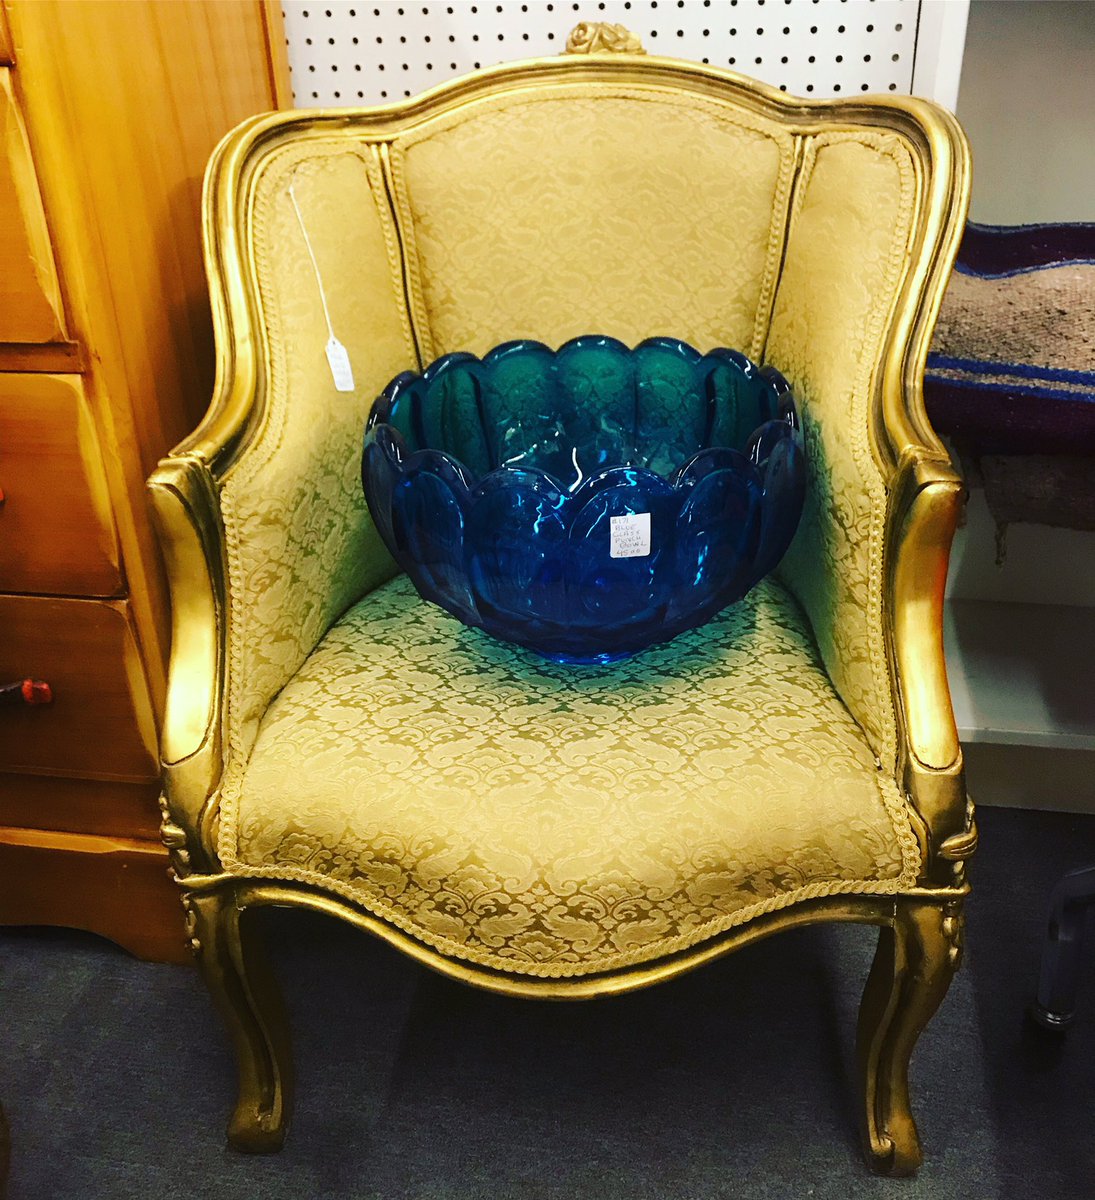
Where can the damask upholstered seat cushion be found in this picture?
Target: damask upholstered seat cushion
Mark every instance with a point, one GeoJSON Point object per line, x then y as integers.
{"type": "Point", "coordinates": [552, 820]}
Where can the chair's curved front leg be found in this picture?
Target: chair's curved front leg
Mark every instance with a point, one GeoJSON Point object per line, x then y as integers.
{"type": "Point", "coordinates": [916, 959]}
{"type": "Point", "coordinates": [233, 962]}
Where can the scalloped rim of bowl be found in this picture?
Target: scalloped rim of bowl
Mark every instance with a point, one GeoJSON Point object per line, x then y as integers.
{"type": "Point", "coordinates": [394, 444]}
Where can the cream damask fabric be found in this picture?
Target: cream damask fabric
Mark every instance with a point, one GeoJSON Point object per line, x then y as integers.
{"type": "Point", "coordinates": [522, 816]}
{"type": "Point", "coordinates": [594, 209]}
{"type": "Point", "coordinates": [301, 546]}
{"type": "Point", "coordinates": [636, 214]}
{"type": "Point", "coordinates": [846, 254]}
{"type": "Point", "coordinates": [557, 821]}
{"type": "Point", "coordinates": [631, 212]}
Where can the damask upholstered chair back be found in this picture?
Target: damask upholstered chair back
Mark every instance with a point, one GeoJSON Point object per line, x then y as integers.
{"type": "Point", "coordinates": [616, 210]}
{"type": "Point", "coordinates": [580, 205]}
{"type": "Point", "coordinates": [606, 194]}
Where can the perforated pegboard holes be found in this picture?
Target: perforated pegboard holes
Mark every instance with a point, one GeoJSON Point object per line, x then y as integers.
{"type": "Point", "coordinates": [347, 53]}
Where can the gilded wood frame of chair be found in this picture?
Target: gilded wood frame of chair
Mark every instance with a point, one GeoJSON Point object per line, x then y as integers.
{"type": "Point", "coordinates": [920, 927]}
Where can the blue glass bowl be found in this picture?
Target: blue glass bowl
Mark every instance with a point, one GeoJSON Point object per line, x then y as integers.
{"type": "Point", "coordinates": [590, 501]}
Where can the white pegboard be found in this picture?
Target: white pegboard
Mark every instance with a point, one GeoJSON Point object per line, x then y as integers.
{"type": "Point", "coordinates": [346, 52]}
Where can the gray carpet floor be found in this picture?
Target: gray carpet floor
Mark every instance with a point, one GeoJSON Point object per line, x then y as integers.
{"type": "Point", "coordinates": [734, 1081]}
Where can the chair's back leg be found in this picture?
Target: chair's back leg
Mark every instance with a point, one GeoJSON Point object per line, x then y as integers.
{"type": "Point", "coordinates": [913, 966]}
{"type": "Point", "coordinates": [232, 960]}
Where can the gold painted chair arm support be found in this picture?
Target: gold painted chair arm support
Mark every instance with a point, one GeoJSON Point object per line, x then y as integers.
{"type": "Point", "coordinates": [185, 491]}
{"type": "Point", "coordinates": [926, 497]}
{"type": "Point", "coordinates": [187, 508]}
{"type": "Point", "coordinates": [927, 500]}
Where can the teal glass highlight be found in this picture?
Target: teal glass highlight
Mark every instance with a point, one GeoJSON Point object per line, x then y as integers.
{"type": "Point", "coordinates": [588, 502]}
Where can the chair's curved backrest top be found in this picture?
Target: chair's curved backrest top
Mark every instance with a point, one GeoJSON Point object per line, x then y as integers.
{"type": "Point", "coordinates": [623, 193]}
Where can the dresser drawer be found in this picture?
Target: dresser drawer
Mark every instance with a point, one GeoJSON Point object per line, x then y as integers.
{"type": "Point", "coordinates": [30, 296]}
{"type": "Point", "coordinates": [97, 806]}
{"type": "Point", "coordinates": [100, 723]}
{"type": "Point", "coordinates": [56, 527]}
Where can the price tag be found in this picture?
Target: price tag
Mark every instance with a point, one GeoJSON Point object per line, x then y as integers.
{"type": "Point", "coordinates": [339, 361]}
{"type": "Point", "coordinates": [629, 535]}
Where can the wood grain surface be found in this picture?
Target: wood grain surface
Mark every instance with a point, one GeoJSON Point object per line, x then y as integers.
{"type": "Point", "coordinates": [57, 531]}
{"type": "Point", "coordinates": [116, 887]}
{"type": "Point", "coordinates": [7, 51]}
{"type": "Point", "coordinates": [105, 807]}
{"type": "Point", "coordinates": [30, 295]}
{"type": "Point", "coordinates": [124, 101]}
{"type": "Point", "coordinates": [57, 358]}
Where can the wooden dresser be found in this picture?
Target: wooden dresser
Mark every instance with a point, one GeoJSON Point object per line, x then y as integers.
{"type": "Point", "coordinates": [108, 113]}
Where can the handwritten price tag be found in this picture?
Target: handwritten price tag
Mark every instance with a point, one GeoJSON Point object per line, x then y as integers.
{"type": "Point", "coordinates": [629, 535]}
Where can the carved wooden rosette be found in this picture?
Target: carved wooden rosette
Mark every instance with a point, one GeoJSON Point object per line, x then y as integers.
{"type": "Point", "coordinates": [601, 37]}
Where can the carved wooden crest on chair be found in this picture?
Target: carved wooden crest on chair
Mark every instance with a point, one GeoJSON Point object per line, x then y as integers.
{"type": "Point", "coordinates": [334, 743]}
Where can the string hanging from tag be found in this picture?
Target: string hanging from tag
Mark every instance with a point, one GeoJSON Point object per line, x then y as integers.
{"type": "Point", "coordinates": [337, 357]}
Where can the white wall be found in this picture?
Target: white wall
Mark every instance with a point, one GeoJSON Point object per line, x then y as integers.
{"type": "Point", "coordinates": [1027, 102]}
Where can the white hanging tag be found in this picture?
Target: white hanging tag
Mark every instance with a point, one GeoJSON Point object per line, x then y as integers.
{"type": "Point", "coordinates": [339, 360]}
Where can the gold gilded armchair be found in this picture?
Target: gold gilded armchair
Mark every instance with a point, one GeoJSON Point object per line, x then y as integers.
{"type": "Point", "coordinates": [331, 741]}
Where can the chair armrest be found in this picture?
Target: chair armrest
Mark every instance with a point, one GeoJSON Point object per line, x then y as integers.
{"type": "Point", "coordinates": [926, 502]}
{"type": "Point", "coordinates": [188, 518]}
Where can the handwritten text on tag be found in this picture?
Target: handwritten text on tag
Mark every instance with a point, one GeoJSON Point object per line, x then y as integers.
{"type": "Point", "coordinates": [629, 535]}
